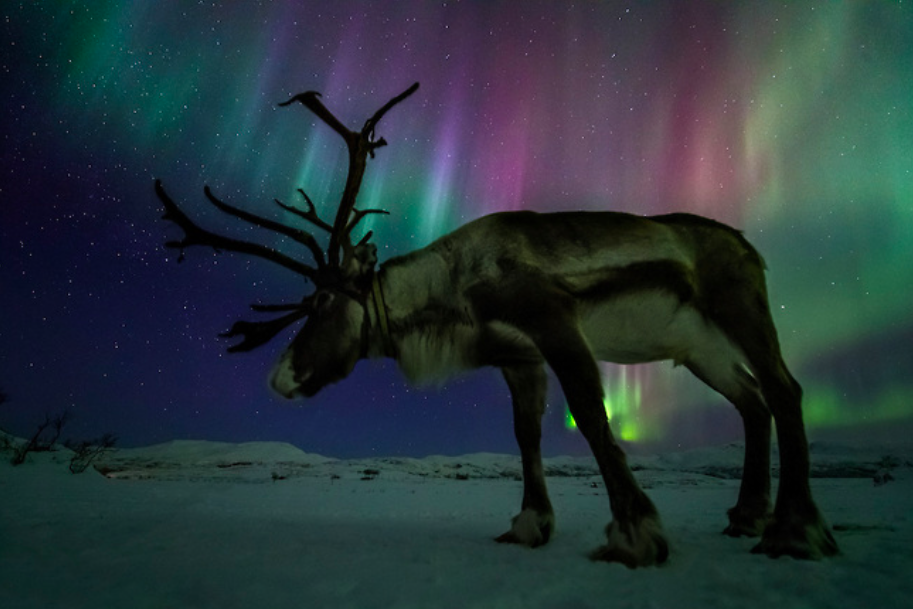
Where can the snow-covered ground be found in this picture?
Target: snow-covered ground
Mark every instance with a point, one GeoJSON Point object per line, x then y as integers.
{"type": "Point", "coordinates": [202, 524]}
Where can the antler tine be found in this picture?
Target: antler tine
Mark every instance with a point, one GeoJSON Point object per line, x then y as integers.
{"type": "Point", "coordinates": [311, 100]}
{"type": "Point", "coordinates": [195, 235]}
{"type": "Point", "coordinates": [301, 236]}
{"type": "Point", "coordinates": [368, 129]}
{"type": "Point", "coordinates": [360, 144]}
{"type": "Point", "coordinates": [257, 333]}
{"type": "Point", "coordinates": [310, 214]}
{"type": "Point", "coordinates": [359, 214]}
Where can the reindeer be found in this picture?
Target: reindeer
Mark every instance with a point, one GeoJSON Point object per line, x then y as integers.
{"type": "Point", "coordinates": [522, 290]}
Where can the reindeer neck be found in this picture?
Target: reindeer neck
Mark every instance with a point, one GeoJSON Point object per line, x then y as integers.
{"type": "Point", "coordinates": [428, 325]}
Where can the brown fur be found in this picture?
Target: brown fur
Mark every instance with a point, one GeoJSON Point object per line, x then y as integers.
{"type": "Point", "coordinates": [519, 291]}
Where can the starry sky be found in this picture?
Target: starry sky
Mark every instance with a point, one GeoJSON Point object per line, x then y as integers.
{"type": "Point", "coordinates": [791, 121]}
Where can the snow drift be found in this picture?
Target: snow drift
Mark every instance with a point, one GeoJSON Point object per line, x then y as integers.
{"type": "Point", "coordinates": [204, 524]}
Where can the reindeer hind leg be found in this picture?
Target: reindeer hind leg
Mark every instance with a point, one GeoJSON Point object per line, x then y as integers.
{"type": "Point", "coordinates": [797, 528]}
{"type": "Point", "coordinates": [751, 512]}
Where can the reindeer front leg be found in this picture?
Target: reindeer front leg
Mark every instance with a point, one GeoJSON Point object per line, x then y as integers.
{"type": "Point", "coordinates": [548, 316]}
{"type": "Point", "coordinates": [534, 524]}
{"type": "Point", "coordinates": [635, 535]}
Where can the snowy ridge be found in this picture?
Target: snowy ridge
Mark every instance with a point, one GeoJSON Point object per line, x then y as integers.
{"type": "Point", "coordinates": [265, 461]}
{"type": "Point", "coordinates": [204, 460]}
{"type": "Point", "coordinates": [271, 461]}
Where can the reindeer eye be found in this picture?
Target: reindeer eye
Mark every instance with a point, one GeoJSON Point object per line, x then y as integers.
{"type": "Point", "coordinates": [322, 301]}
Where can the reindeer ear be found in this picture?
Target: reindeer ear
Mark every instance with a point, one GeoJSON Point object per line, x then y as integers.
{"type": "Point", "coordinates": [367, 256]}
{"type": "Point", "coordinates": [361, 262]}
{"type": "Point", "coordinates": [323, 300]}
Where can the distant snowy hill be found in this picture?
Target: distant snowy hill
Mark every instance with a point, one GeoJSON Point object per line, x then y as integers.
{"type": "Point", "coordinates": [184, 459]}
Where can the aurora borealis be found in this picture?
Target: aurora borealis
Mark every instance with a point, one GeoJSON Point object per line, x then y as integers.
{"type": "Point", "coordinates": [791, 121]}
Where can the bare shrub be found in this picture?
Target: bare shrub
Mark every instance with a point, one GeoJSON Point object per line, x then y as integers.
{"type": "Point", "coordinates": [44, 439]}
{"type": "Point", "coordinates": [89, 450]}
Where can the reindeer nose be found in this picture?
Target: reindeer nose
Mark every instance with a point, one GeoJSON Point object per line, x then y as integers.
{"type": "Point", "coordinates": [284, 381]}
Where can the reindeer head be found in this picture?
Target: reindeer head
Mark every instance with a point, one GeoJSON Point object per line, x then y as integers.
{"type": "Point", "coordinates": [336, 333]}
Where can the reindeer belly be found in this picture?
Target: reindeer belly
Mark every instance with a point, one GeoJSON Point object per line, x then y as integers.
{"type": "Point", "coordinates": [654, 325]}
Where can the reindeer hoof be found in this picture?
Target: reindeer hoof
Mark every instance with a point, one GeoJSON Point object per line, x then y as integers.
{"type": "Point", "coordinates": [634, 545]}
{"type": "Point", "coordinates": [804, 538]}
{"type": "Point", "coordinates": [747, 522]}
{"type": "Point", "coordinates": [529, 528]}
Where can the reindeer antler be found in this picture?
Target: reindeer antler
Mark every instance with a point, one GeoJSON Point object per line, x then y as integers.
{"type": "Point", "coordinates": [329, 265]}
{"type": "Point", "coordinates": [360, 144]}
{"type": "Point", "coordinates": [194, 235]}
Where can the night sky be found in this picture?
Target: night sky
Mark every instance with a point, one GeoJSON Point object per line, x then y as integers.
{"type": "Point", "coordinates": [791, 121]}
